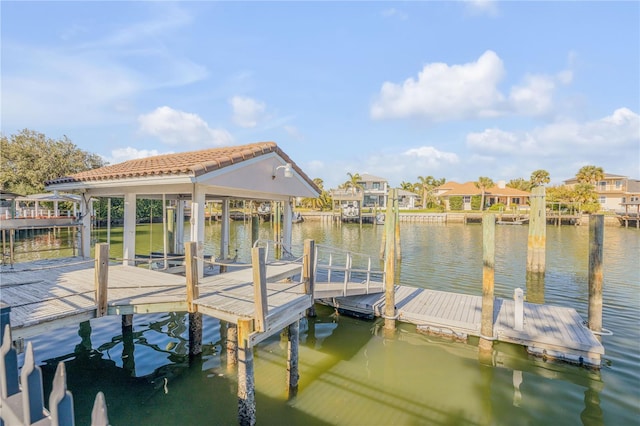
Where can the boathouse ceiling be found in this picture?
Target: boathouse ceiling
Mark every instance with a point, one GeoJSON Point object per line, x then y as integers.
{"type": "Point", "coordinates": [259, 171]}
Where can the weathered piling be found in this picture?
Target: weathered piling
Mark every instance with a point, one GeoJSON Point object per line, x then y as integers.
{"type": "Point", "coordinates": [259, 288]}
{"type": "Point", "coordinates": [195, 318]}
{"type": "Point", "coordinates": [246, 383]}
{"type": "Point", "coordinates": [232, 346]}
{"type": "Point", "coordinates": [488, 277]}
{"type": "Point", "coordinates": [255, 228]}
{"type": "Point", "coordinates": [537, 240]}
{"type": "Point", "coordinates": [308, 272]}
{"type": "Point", "coordinates": [101, 278]}
{"type": "Point", "coordinates": [596, 276]}
{"type": "Point", "coordinates": [390, 262]}
{"type": "Point", "coordinates": [293, 372]}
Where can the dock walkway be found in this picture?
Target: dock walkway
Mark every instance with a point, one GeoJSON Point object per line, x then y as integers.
{"type": "Point", "coordinates": [47, 295]}
{"type": "Point", "coordinates": [549, 331]}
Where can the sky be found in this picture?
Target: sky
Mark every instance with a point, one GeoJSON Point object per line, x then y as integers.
{"type": "Point", "coordinates": [451, 89]}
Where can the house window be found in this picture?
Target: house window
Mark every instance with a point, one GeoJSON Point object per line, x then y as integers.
{"type": "Point", "coordinates": [624, 200]}
{"type": "Point", "coordinates": [466, 198]}
{"type": "Point", "coordinates": [603, 185]}
{"type": "Point", "coordinates": [376, 185]}
{"type": "Point", "coordinates": [603, 199]}
{"type": "Point", "coordinates": [618, 184]}
{"type": "Point", "coordinates": [515, 200]}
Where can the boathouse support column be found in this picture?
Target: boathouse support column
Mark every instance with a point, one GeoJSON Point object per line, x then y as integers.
{"type": "Point", "coordinates": [537, 240]}
{"type": "Point", "coordinates": [293, 346]}
{"type": "Point", "coordinates": [259, 288]}
{"type": "Point", "coordinates": [255, 228]}
{"type": "Point", "coordinates": [488, 276]}
{"type": "Point", "coordinates": [171, 229]}
{"type": "Point", "coordinates": [85, 234]}
{"type": "Point", "coordinates": [390, 262]}
{"type": "Point", "coordinates": [197, 225]}
{"type": "Point", "coordinates": [179, 237]}
{"type": "Point", "coordinates": [224, 230]}
{"type": "Point", "coordinates": [596, 275]}
{"type": "Point", "coordinates": [287, 221]}
{"type": "Point", "coordinates": [246, 381]}
{"type": "Point", "coordinates": [193, 292]}
{"type": "Point", "coordinates": [129, 232]}
{"type": "Point", "coordinates": [232, 346]}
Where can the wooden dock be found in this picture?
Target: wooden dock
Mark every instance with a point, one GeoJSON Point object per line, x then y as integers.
{"type": "Point", "coordinates": [548, 331]}
{"type": "Point", "coordinates": [45, 295]}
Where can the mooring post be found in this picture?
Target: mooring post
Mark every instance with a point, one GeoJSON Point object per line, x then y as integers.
{"type": "Point", "coordinates": [246, 384]}
{"type": "Point", "coordinates": [308, 273]}
{"type": "Point", "coordinates": [128, 361]}
{"type": "Point", "coordinates": [518, 309]}
{"type": "Point", "coordinates": [488, 276]}
{"type": "Point", "coordinates": [101, 278]}
{"type": "Point", "coordinates": [390, 263]}
{"type": "Point", "coordinates": [195, 318]}
{"type": "Point", "coordinates": [293, 372]}
{"type": "Point", "coordinates": [596, 276]}
{"type": "Point", "coordinates": [537, 240]}
{"type": "Point", "coordinates": [259, 288]}
{"type": "Point", "coordinates": [255, 228]}
{"type": "Point", "coordinates": [397, 228]}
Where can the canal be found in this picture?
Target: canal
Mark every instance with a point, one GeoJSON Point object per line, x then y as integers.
{"type": "Point", "coordinates": [350, 373]}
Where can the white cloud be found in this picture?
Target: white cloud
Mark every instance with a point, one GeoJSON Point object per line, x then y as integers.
{"type": "Point", "coordinates": [431, 157]}
{"type": "Point", "coordinates": [395, 13]}
{"type": "Point", "coordinates": [442, 92]}
{"type": "Point", "coordinates": [493, 140]}
{"type": "Point", "coordinates": [482, 7]}
{"type": "Point", "coordinates": [247, 112]}
{"type": "Point", "coordinates": [175, 127]}
{"type": "Point", "coordinates": [129, 153]}
{"type": "Point", "coordinates": [456, 92]}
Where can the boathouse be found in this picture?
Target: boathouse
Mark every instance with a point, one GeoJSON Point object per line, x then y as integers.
{"type": "Point", "coordinates": [258, 171]}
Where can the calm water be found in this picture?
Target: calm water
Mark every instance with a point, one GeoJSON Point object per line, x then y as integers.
{"type": "Point", "coordinates": [350, 373]}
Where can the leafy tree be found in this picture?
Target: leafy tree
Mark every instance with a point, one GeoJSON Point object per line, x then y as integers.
{"type": "Point", "coordinates": [455, 202]}
{"type": "Point", "coordinates": [407, 186]}
{"type": "Point", "coordinates": [476, 202]}
{"type": "Point", "coordinates": [590, 174]}
{"type": "Point", "coordinates": [29, 158]}
{"type": "Point", "coordinates": [483, 183]}
{"type": "Point", "coordinates": [320, 202]}
{"type": "Point", "coordinates": [540, 177]}
{"type": "Point", "coordinates": [519, 183]}
{"type": "Point", "coordinates": [353, 181]}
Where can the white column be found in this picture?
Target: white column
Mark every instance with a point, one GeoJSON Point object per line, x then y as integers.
{"type": "Point", "coordinates": [286, 226]}
{"type": "Point", "coordinates": [129, 232]}
{"type": "Point", "coordinates": [224, 230]}
{"type": "Point", "coordinates": [179, 238]}
{"type": "Point", "coordinates": [85, 233]}
{"type": "Point", "coordinates": [197, 224]}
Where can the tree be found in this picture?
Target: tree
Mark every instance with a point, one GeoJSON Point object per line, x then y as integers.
{"type": "Point", "coordinates": [353, 181]}
{"type": "Point", "coordinates": [519, 183]}
{"type": "Point", "coordinates": [590, 174]}
{"type": "Point", "coordinates": [321, 201]}
{"type": "Point", "coordinates": [483, 183]}
{"type": "Point", "coordinates": [427, 185]}
{"type": "Point", "coordinates": [407, 186]}
{"type": "Point", "coordinates": [29, 159]}
{"type": "Point", "coordinates": [540, 177]}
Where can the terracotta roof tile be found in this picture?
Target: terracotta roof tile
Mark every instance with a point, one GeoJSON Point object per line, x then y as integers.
{"type": "Point", "coordinates": [194, 163]}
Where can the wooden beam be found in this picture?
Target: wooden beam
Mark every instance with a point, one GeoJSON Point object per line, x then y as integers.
{"type": "Point", "coordinates": [259, 288]}
{"type": "Point", "coordinates": [596, 274]}
{"type": "Point", "coordinates": [488, 277]}
{"type": "Point", "coordinates": [101, 278]}
{"type": "Point", "coordinates": [246, 381]}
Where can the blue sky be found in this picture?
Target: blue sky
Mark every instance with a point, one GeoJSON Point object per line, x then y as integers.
{"type": "Point", "coordinates": [395, 89]}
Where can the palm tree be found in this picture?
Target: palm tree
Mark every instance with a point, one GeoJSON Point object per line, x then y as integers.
{"type": "Point", "coordinates": [540, 177]}
{"type": "Point", "coordinates": [483, 184]}
{"type": "Point", "coordinates": [427, 184]}
{"type": "Point", "coordinates": [590, 174]}
{"type": "Point", "coordinates": [407, 186]}
{"type": "Point", "coordinates": [519, 183]}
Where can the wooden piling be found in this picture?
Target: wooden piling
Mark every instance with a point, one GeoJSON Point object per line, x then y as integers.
{"type": "Point", "coordinates": [232, 346]}
{"type": "Point", "coordinates": [596, 276]}
{"type": "Point", "coordinates": [259, 288]}
{"type": "Point", "coordinates": [537, 240]}
{"type": "Point", "coordinates": [308, 273]}
{"type": "Point", "coordinates": [488, 277]}
{"type": "Point", "coordinates": [293, 372]}
{"type": "Point", "coordinates": [255, 228]}
{"type": "Point", "coordinates": [390, 263]}
{"type": "Point", "coordinates": [193, 292]}
{"type": "Point", "coordinates": [397, 229]}
{"type": "Point", "coordinates": [246, 383]}
{"type": "Point", "coordinates": [101, 278]}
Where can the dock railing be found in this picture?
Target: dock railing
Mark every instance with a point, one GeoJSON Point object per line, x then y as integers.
{"type": "Point", "coordinates": [349, 268]}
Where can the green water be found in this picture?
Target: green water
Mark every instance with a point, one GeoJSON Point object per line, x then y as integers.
{"type": "Point", "coordinates": [353, 375]}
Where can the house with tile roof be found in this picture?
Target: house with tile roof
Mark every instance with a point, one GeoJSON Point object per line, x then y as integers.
{"type": "Point", "coordinates": [615, 192]}
{"type": "Point", "coordinates": [499, 193]}
{"type": "Point", "coordinates": [258, 171]}
{"type": "Point", "coordinates": [374, 190]}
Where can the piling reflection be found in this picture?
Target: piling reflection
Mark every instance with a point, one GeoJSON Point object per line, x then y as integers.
{"type": "Point", "coordinates": [535, 287]}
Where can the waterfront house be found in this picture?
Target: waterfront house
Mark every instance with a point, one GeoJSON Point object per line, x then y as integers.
{"type": "Point", "coordinates": [374, 190]}
{"type": "Point", "coordinates": [499, 193]}
{"type": "Point", "coordinates": [407, 199]}
{"type": "Point", "coordinates": [615, 192]}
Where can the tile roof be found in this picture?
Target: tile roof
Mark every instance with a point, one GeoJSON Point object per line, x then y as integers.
{"type": "Point", "coordinates": [193, 163]}
{"type": "Point", "coordinates": [469, 188]}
